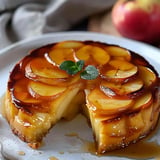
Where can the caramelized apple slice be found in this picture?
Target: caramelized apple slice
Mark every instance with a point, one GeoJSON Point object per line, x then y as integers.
{"type": "Point", "coordinates": [93, 54]}
{"type": "Point", "coordinates": [121, 65]}
{"type": "Point", "coordinates": [143, 101]}
{"type": "Point", "coordinates": [40, 90]}
{"type": "Point", "coordinates": [40, 70]}
{"type": "Point", "coordinates": [123, 73]}
{"type": "Point", "coordinates": [58, 55]}
{"type": "Point", "coordinates": [119, 70]}
{"type": "Point", "coordinates": [69, 44]}
{"type": "Point", "coordinates": [120, 88]}
{"type": "Point", "coordinates": [21, 94]}
{"type": "Point", "coordinates": [102, 104]}
{"type": "Point", "coordinates": [118, 52]}
{"type": "Point", "coordinates": [147, 75]}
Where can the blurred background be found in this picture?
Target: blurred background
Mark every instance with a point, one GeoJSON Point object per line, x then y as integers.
{"type": "Point", "coordinates": [23, 19]}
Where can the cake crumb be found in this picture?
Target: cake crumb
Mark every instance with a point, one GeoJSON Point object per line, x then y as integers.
{"type": "Point", "coordinates": [61, 152]}
{"type": "Point", "coordinates": [72, 134]}
{"type": "Point", "coordinates": [52, 158]}
{"type": "Point", "coordinates": [21, 153]}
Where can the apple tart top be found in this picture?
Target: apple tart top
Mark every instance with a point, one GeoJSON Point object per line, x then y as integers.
{"type": "Point", "coordinates": [123, 78]}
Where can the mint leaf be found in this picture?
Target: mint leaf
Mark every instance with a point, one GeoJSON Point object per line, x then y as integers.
{"type": "Point", "coordinates": [89, 73]}
{"type": "Point", "coordinates": [69, 66]}
{"type": "Point", "coordinates": [80, 65]}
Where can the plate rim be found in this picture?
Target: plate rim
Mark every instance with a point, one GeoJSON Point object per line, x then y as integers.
{"type": "Point", "coordinates": [30, 40]}
{"type": "Point", "coordinates": [72, 33]}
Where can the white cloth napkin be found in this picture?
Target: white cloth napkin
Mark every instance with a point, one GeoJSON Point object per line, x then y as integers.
{"type": "Point", "coordinates": [21, 19]}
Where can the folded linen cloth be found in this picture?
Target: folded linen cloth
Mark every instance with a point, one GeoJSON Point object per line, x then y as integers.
{"type": "Point", "coordinates": [21, 19]}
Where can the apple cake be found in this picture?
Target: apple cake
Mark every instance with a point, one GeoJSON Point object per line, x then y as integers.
{"type": "Point", "coordinates": [116, 89]}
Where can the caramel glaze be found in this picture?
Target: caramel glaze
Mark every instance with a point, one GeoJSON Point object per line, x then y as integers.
{"type": "Point", "coordinates": [143, 149]}
{"type": "Point", "coordinates": [19, 73]}
{"type": "Point", "coordinates": [140, 150]}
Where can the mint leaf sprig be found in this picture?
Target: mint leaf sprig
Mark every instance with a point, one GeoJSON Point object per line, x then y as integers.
{"type": "Point", "coordinates": [88, 73]}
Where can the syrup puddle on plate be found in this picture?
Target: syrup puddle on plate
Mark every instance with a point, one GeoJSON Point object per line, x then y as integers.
{"type": "Point", "coordinates": [143, 149]}
{"type": "Point", "coordinates": [139, 150]}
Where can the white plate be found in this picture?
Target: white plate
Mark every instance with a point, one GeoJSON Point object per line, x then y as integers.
{"type": "Point", "coordinates": [56, 143]}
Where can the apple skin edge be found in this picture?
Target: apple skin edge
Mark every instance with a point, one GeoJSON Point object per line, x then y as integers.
{"type": "Point", "coordinates": [136, 21]}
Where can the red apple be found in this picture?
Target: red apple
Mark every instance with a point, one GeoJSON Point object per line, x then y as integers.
{"type": "Point", "coordinates": [138, 19]}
